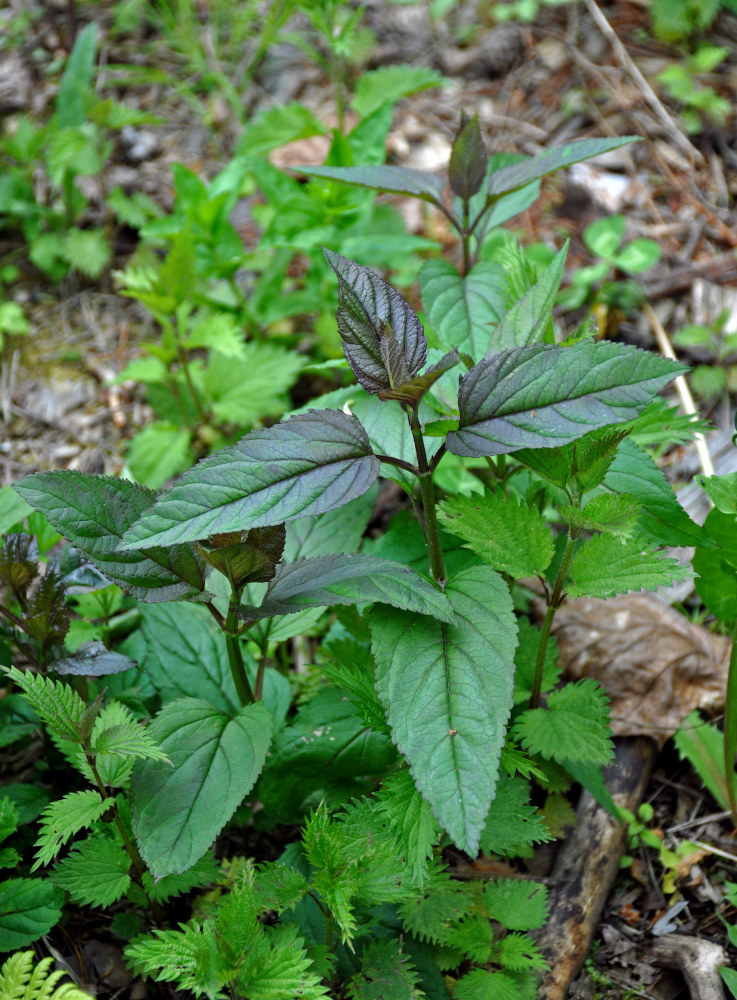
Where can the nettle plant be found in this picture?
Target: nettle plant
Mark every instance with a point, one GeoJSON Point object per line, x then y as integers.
{"type": "Point", "coordinates": [437, 688]}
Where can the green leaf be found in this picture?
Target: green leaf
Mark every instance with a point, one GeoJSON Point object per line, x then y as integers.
{"type": "Point", "coordinates": [127, 739]}
{"type": "Point", "coordinates": [91, 659]}
{"type": "Point", "coordinates": [544, 395]}
{"type": "Point", "coordinates": [462, 311]}
{"type": "Point", "coordinates": [95, 873]}
{"type": "Point", "coordinates": [605, 566]}
{"type": "Point", "coordinates": [178, 811]}
{"type": "Point", "coordinates": [388, 84]}
{"type": "Point", "coordinates": [348, 579]}
{"type": "Point", "coordinates": [518, 952]}
{"type": "Point", "coordinates": [87, 250]}
{"type": "Point", "coordinates": [29, 908]}
{"type": "Point", "coordinates": [483, 985]}
{"type": "Point", "coordinates": [516, 904]}
{"type": "Point", "coordinates": [58, 704]}
{"type": "Point", "coordinates": [279, 887]}
{"type": "Point", "coordinates": [277, 126]}
{"type": "Point", "coordinates": [604, 237]}
{"type": "Point", "coordinates": [702, 745]}
{"type": "Point", "coordinates": [716, 568]}
{"type": "Point", "coordinates": [730, 978]}
{"type": "Point", "coordinates": [525, 658]}
{"type": "Point", "coordinates": [638, 256]}
{"type": "Point", "coordinates": [526, 321]}
{"type": "Point", "coordinates": [382, 338]}
{"type": "Point", "coordinates": [307, 465]}
{"type": "Point", "coordinates": [93, 512]}
{"type": "Point", "coordinates": [574, 726]}
{"type": "Point", "coordinates": [615, 513]}
{"type": "Point", "coordinates": [386, 971]}
{"type": "Point", "coordinates": [188, 956]}
{"type": "Point", "coordinates": [662, 518]}
{"type": "Point", "coordinates": [448, 692]}
{"type": "Point", "coordinates": [411, 820]}
{"type": "Point", "coordinates": [468, 159]}
{"type": "Point", "coordinates": [75, 88]}
{"type": "Point", "coordinates": [721, 490]}
{"type": "Point", "coordinates": [517, 175]}
{"type": "Point", "coordinates": [505, 532]}
{"type": "Point", "coordinates": [204, 872]}
{"type": "Point", "coordinates": [246, 389]}
{"type": "Point", "coordinates": [327, 534]}
{"type": "Point", "coordinates": [159, 452]}
{"type": "Point", "coordinates": [394, 180]}
{"type": "Point", "coordinates": [578, 467]}
{"type": "Point", "coordinates": [512, 824]}
{"type": "Point", "coordinates": [433, 913]}
{"type": "Point", "coordinates": [13, 508]}
{"type": "Point", "coordinates": [62, 819]}
{"type": "Point", "coordinates": [414, 389]}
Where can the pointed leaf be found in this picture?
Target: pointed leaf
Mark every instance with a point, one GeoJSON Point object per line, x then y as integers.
{"type": "Point", "coordinates": [93, 512]}
{"type": "Point", "coordinates": [95, 872]}
{"type": "Point", "coordinates": [462, 311]}
{"type": "Point", "coordinates": [245, 556]}
{"type": "Point", "coordinates": [336, 531]}
{"type": "Point", "coordinates": [349, 579]}
{"type": "Point", "coordinates": [574, 726]}
{"type": "Point", "coordinates": [604, 566]}
{"type": "Point", "coordinates": [92, 659]}
{"type": "Point", "coordinates": [615, 513]}
{"type": "Point", "coordinates": [544, 395]}
{"type": "Point", "coordinates": [526, 321]}
{"type": "Point", "coordinates": [415, 388]}
{"type": "Point", "coordinates": [448, 692]}
{"type": "Point", "coordinates": [382, 338]}
{"type": "Point", "coordinates": [388, 84]}
{"type": "Point", "coordinates": [468, 159]}
{"type": "Point", "coordinates": [394, 180]}
{"type": "Point", "coordinates": [518, 174]}
{"type": "Point", "coordinates": [29, 908]}
{"type": "Point", "coordinates": [312, 463]}
{"type": "Point", "coordinates": [178, 811]}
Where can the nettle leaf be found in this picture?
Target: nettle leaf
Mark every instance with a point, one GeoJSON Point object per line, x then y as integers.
{"type": "Point", "coordinates": [178, 811]}
{"type": "Point", "coordinates": [95, 872]}
{"type": "Point", "coordinates": [526, 321]}
{"type": "Point", "coordinates": [605, 565]}
{"type": "Point", "coordinates": [58, 704]}
{"type": "Point", "coordinates": [721, 490]}
{"type": "Point", "coordinates": [393, 180]}
{"type": "Point", "coordinates": [29, 908]}
{"type": "Point", "coordinates": [468, 159]}
{"type": "Point", "coordinates": [307, 465]}
{"type": "Point", "coordinates": [662, 518]}
{"type": "Point", "coordinates": [447, 690]}
{"type": "Point", "coordinates": [386, 971]}
{"type": "Point", "coordinates": [415, 388]}
{"type": "Point", "coordinates": [335, 531]}
{"type": "Point", "coordinates": [544, 395]}
{"type": "Point", "coordinates": [518, 174]}
{"type": "Point", "coordinates": [615, 513]}
{"type": "Point", "coordinates": [517, 952]}
{"type": "Point", "coordinates": [516, 904]}
{"type": "Point", "coordinates": [382, 338]}
{"type": "Point", "coordinates": [716, 567]}
{"type": "Point", "coordinates": [509, 535]}
{"type": "Point", "coordinates": [93, 513]}
{"type": "Point", "coordinates": [65, 817]}
{"type": "Point", "coordinates": [411, 820]}
{"type": "Point", "coordinates": [512, 824]}
{"type": "Point", "coordinates": [18, 560]}
{"type": "Point", "coordinates": [348, 579]}
{"type": "Point", "coordinates": [480, 984]}
{"type": "Point", "coordinates": [462, 311]}
{"type": "Point", "coordinates": [573, 727]}
{"type": "Point", "coordinates": [577, 467]}
{"type": "Point", "coordinates": [525, 658]}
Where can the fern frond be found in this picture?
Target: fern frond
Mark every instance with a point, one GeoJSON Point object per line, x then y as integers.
{"type": "Point", "coordinates": [21, 980]}
{"type": "Point", "coordinates": [58, 704]}
{"type": "Point", "coordinates": [62, 819]}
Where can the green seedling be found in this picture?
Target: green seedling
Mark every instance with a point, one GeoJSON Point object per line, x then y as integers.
{"type": "Point", "coordinates": [699, 104]}
{"type": "Point", "coordinates": [711, 381]}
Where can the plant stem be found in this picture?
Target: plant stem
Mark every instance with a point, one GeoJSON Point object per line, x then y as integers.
{"type": "Point", "coordinates": [555, 602]}
{"type": "Point", "coordinates": [258, 688]}
{"type": "Point", "coordinates": [235, 655]}
{"type": "Point", "coordinates": [730, 730]}
{"type": "Point", "coordinates": [427, 492]}
{"type": "Point", "coordinates": [465, 239]}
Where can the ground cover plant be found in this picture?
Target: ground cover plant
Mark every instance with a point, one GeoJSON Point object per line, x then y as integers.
{"type": "Point", "coordinates": [274, 737]}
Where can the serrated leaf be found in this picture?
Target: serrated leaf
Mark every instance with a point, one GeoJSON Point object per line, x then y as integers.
{"type": "Point", "coordinates": [526, 321]}
{"type": "Point", "coordinates": [394, 180]}
{"type": "Point", "coordinates": [127, 739]}
{"type": "Point", "coordinates": [327, 534]}
{"type": "Point", "coordinates": [468, 159]}
{"type": "Point", "coordinates": [462, 311]}
{"type": "Point", "coordinates": [411, 820]}
{"type": "Point", "coordinates": [615, 513]}
{"type": "Point", "coordinates": [702, 745]}
{"type": "Point", "coordinates": [447, 690]}
{"type": "Point", "coordinates": [87, 250]}
{"type": "Point", "coordinates": [481, 984]}
{"type": "Point", "coordinates": [204, 872]}
{"type": "Point", "coordinates": [62, 819]}
{"type": "Point", "coordinates": [604, 566]}
{"type": "Point", "coordinates": [662, 518]}
{"type": "Point", "coordinates": [178, 811]}
{"type": "Point", "coordinates": [92, 659]}
{"type": "Point", "coordinates": [509, 535]}
{"type": "Point", "coordinates": [387, 84]}
{"type": "Point", "coordinates": [246, 389]}
{"type": "Point", "coordinates": [518, 952]}
{"type": "Point", "coordinates": [348, 579]}
{"type": "Point", "coordinates": [415, 388]}
{"type": "Point", "coordinates": [574, 726]}
{"type": "Point", "coordinates": [525, 659]}
{"type": "Point", "coordinates": [382, 338]}
{"type": "Point", "coordinates": [93, 513]}
{"type": "Point", "coordinates": [386, 971]}
{"type": "Point", "coordinates": [58, 704]}
{"type": "Point", "coordinates": [307, 465]}
{"type": "Point", "coordinates": [159, 452]}
{"type": "Point", "coordinates": [516, 904]}
{"type": "Point", "coordinates": [716, 568]}
{"type": "Point", "coordinates": [279, 887]}
{"type": "Point", "coordinates": [512, 823]}
{"type": "Point", "coordinates": [95, 873]}
{"type": "Point", "coordinates": [721, 490]}
{"type": "Point", "coordinates": [276, 126]}
{"type": "Point", "coordinates": [29, 908]}
{"type": "Point", "coordinates": [517, 175]}
{"type": "Point", "coordinates": [544, 395]}
{"type": "Point", "coordinates": [578, 467]}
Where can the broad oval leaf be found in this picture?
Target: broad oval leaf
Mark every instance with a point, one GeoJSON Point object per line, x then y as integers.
{"type": "Point", "coordinates": [526, 321]}
{"type": "Point", "coordinates": [447, 690]}
{"type": "Point", "coordinates": [542, 396]}
{"type": "Point", "coordinates": [310, 464]}
{"type": "Point", "coordinates": [394, 180]}
{"type": "Point", "coordinates": [94, 512]}
{"type": "Point", "coordinates": [29, 908]}
{"type": "Point", "coordinates": [350, 579]}
{"type": "Point", "coordinates": [382, 337]}
{"type": "Point", "coordinates": [462, 311]}
{"type": "Point", "coordinates": [178, 811]}
{"type": "Point", "coordinates": [468, 159]}
{"type": "Point", "coordinates": [336, 531]}
{"type": "Point", "coordinates": [517, 175]}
